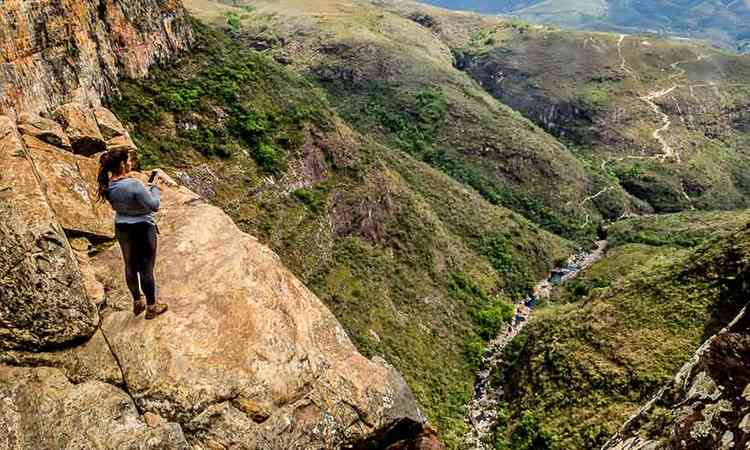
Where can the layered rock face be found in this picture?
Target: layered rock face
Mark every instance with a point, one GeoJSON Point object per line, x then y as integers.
{"type": "Point", "coordinates": [707, 405]}
{"type": "Point", "coordinates": [42, 298]}
{"type": "Point", "coordinates": [57, 51]}
{"type": "Point", "coordinates": [246, 356]}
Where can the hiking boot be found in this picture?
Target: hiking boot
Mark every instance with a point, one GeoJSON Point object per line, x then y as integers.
{"type": "Point", "coordinates": [138, 307]}
{"type": "Point", "coordinates": [155, 310]}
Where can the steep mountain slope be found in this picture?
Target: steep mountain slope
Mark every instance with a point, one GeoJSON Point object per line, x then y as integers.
{"type": "Point", "coordinates": [705, 406]}
{"type": "Point", "coordinates": [387, 71]}
{"type": "Point", "coordinates": [666, 121]}
{"type": "Point", "coordinates": [245, 357]}
{"type": "Point", "coordinates": [418, 268]}
{"type": "Point", "coordinates": [724, 22]}
{"type": "Point", "coordinates": [613, 338]}
{"type": "Point", "coordinates": [394, 80]}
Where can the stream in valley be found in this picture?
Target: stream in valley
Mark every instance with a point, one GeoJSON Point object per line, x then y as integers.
{"type": "Point", "coordinates": [482, 408]}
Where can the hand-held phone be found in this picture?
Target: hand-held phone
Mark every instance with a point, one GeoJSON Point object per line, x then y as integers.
{"type": "Point", "coordinates": [152, 177]}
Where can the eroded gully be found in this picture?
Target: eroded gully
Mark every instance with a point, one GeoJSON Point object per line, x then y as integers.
{"type": "Point", "coordinates": [482, 409]}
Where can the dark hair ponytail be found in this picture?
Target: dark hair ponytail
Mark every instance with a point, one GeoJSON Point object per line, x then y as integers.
{"type": "Point", "coordinates": [109, 162]}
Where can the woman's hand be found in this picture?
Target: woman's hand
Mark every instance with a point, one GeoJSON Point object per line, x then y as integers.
{"type": "Point", "coordinates": [162, 179]}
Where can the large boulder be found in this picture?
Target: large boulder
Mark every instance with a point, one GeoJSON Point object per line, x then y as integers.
{"type": "Point", "coordinates": [109, 125]}
{"type": "Point", "coordinates": [121, 142]}
{"type": "Point", "coordinates": [80, 125]}
{"type": "Point", "coordinates": [246, 356]}
{"type": "Point", "coordinates": [114, 132]}
{"type": "Point", "coordinates": [42, 299]}
{"type": "Point", "coordinates": [70, 182]}
{"type": "Point", "coordinates": [47, 130]}
{"type": "Point", "coordinates": [42, 410]}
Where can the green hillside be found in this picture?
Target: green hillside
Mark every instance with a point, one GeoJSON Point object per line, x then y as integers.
{"type": "Point", "coordinates": [609, 340]}
{"type": "Point", "coordinates": [394, 80]}
{"type": "Point", "coordinates": [663, 121]}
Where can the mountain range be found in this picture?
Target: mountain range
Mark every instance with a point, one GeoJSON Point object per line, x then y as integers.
{"type": "Point", "coordinates": [722, 22]}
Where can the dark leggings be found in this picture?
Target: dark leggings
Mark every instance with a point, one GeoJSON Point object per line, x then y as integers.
{"type": "Point", "coordinates": [138, 244]}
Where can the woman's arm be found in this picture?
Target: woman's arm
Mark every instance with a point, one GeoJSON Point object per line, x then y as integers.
{"type": "Point", "coordinates": [148, 198]}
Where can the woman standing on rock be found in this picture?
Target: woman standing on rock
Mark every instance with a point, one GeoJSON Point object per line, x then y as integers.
{"type": "Point", "coordinates": [135, 226]}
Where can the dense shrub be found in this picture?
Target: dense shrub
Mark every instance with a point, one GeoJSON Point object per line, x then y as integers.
{"type": "Point", "coordinates": [222, 98]}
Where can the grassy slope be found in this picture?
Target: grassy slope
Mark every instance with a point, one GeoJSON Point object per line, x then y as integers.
{"type": "Point", "coordinates": [418, 268]}
{"type": "Point", "coordinates": [590, 360]}
{"type": "Point", "coordinates": [573, 84]}
{"type": "Point", "coordinates": [685, 229]}
{"type": "Point", "coordinates": [394, 80]}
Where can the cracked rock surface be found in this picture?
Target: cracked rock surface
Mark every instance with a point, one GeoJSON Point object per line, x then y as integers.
{"type": "Point", "coordinates": [40, 409]}
{"type": "Point", "coordinates": [42, 299]}
{"type": "Point", "coordinates": [245, 350]}
{"type": "Point", "coordinates": [70, 192]}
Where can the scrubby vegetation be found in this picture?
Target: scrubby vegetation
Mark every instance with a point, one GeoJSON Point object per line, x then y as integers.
{"type": "Point", "coordinates": [417, 122]}
{"type": "Point", "coordinates": [686, 229]}
{"type": "Point", "coordinates": [271, 127]}
{"type": "Point", "coordinates": [612, 338]}
{"type": "Point", "coordinates": [412, 121]}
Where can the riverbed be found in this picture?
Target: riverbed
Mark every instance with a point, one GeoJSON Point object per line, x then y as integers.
{"type": "Point", "coordinates": [482, 409]}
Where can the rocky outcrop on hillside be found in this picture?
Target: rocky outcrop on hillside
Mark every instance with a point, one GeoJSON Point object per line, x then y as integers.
{"type": "Point", "coordinates": [77, 416]}
{"type": "Point", "coordinates": [516, 88]}
{"type": "Point", "coordinates": [707, 405]}
{"type": "Point", "coordinates": [246, 357]}
{"type": "Point", "coordinates": [54, 52]}
{"type": "Point", "coordinates": [42, 301]}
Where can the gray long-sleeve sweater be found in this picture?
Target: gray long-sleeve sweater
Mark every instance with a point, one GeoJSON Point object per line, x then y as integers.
{"type": "Point", "coordinates": [133, 202]}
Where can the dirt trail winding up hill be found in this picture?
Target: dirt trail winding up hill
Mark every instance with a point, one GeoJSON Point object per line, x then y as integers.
{"type": "Point", "coordinates": [667, 151]}
{"type": "Point", "coordinates": [623, 62]}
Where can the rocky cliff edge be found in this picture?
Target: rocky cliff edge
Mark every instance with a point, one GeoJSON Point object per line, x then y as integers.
{"type": "Point", "coordinates": [246, 357]}
{"type": "Point", "coordinates": [707, 404]}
